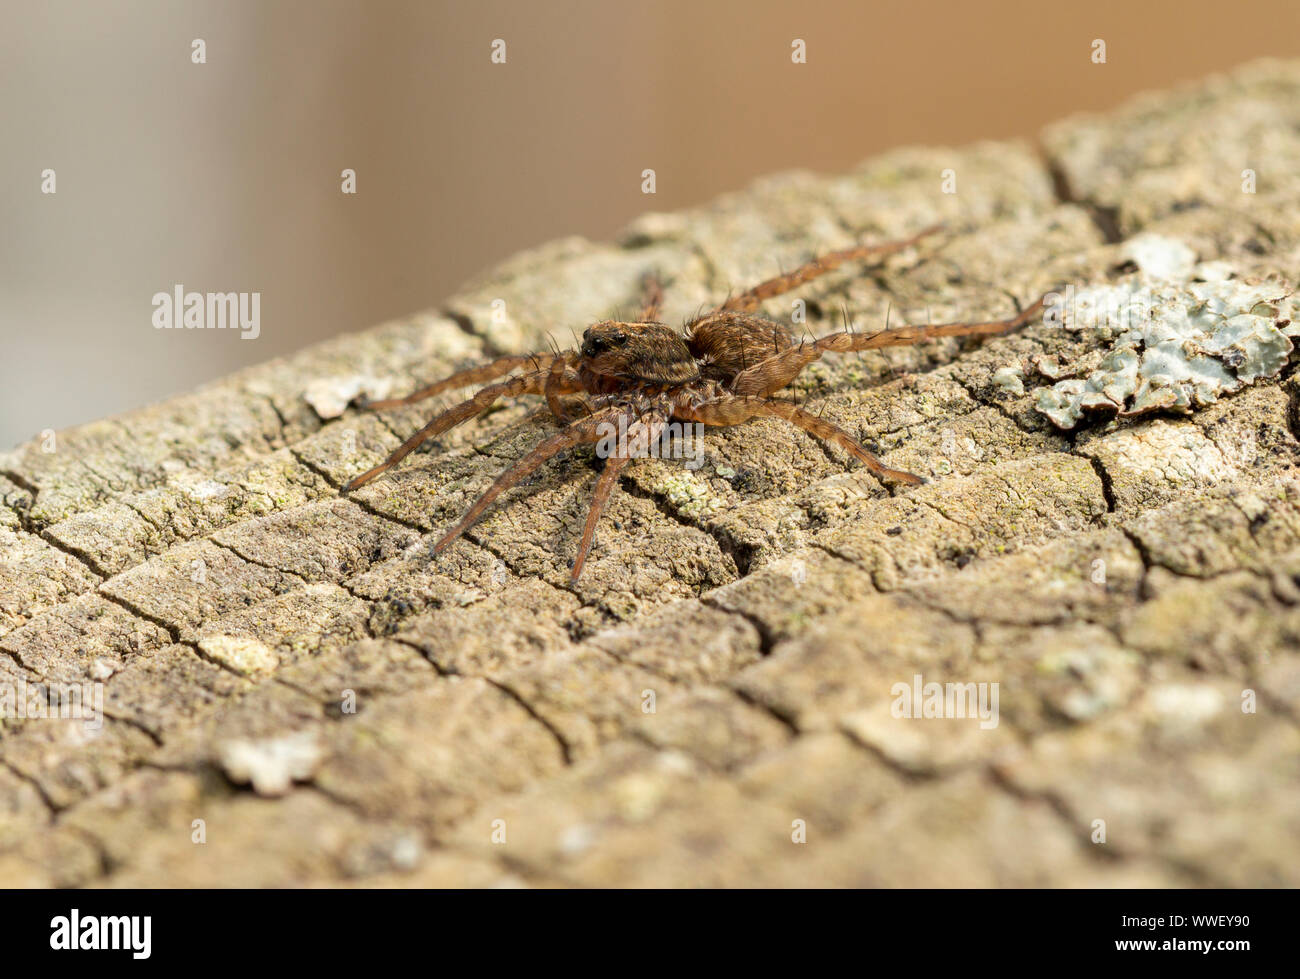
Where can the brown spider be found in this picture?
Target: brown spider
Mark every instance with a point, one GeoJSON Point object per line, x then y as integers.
{"type": "Point", "coordinates": [721, 370]}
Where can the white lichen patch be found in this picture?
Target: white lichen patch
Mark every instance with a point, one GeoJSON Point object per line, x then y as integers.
{"type": "Point", "coordinates": [1158, 257]}
{"type": "Point", "coordinates": [205, 489]}
{"type": "Point", "coordinates": [1180, 336]}
{"type": "Point", "coordinates": [1180, 708]}
{"type": "Point", "coordinates": [271, 765]}
{"type": "Point", "coordinates": [247, 657]}
{"type": "Point", "coordinates": [101, 669]}
{"type": "Point", "coordinates": [329, 397]}
{"type": "Point", "coordinates": [1176, 453]}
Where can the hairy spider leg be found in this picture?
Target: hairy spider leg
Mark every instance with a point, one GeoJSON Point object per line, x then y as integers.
{"type": "Point", "coordinates": [750, 299]}
{"type": "Point", "coordinates": [584, 430]}
{"type": "Point", "coordinates": [466, 378]}
{"type": "Point", "coordinates": [652, 425]}
{"type": "Point", "coordinates": [780, 369]}
{"type": "Point", "coordinates": [652, 298]}
{"type": "Point", "coordinates": [733, 410]}
{"type": "Point", "coordinates": [531, 383]}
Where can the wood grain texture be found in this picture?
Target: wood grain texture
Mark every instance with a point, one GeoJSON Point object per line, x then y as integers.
{"type": "Point", "coordinates": [1123, 585]}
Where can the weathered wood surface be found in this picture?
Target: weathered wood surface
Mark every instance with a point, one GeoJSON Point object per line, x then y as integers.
{"type": "Point", "coordinates": [196, 558]}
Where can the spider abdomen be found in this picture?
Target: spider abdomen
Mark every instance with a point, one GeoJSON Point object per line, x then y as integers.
{"type": "Point", "coordinates": [728, 343]}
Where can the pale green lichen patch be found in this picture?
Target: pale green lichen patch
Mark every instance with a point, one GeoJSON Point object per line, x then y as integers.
{"type": "Point", "coordinates": [1010, 379]}
{"type": "Point", "coordinates": [1181, 336]}
{"type": "Point", "coordinates": [687, 494]}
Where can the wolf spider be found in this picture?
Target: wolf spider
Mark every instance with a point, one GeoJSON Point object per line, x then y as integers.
{"type": "Point", "coordinates": [722, 369]}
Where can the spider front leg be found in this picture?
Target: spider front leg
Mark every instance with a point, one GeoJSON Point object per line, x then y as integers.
{"type": "Point", "coordinates": [649, 427]}
{"type": "Point", "coordinates": [532, 383]}
{"type": "Point", "coordinates": [732, 410]}
{"type": "Point", "coordinates": [466, 378]}
{"type": "Point", "coordinates": [751, 299]}
{"type": "Point", "coordinates": [774, 373]}
{"type": "Point", "coordinates": [586, 430]}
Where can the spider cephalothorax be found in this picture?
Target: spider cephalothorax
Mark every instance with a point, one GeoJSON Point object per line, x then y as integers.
{"type": "Point", "coordinates": [618, 354]}
{"type": "Point", "coordinates": [722, 369]}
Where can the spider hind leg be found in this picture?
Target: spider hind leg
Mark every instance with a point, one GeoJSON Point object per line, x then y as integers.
{"type": "Point", "coordinates": [466, 378]}
{"type": "Point", "coordinates": [751, 299]}
{"type": "Point", "coordinates": [778, 370]}
{"type": "Point", "coordinates": [733, 410]}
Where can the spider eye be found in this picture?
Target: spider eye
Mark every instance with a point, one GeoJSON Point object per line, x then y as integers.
{"type": "Point", "coordinates": [593, 344]}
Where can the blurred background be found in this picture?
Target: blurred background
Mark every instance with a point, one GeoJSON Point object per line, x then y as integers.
{"type": "Point", "coordinates": [225, 176]}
